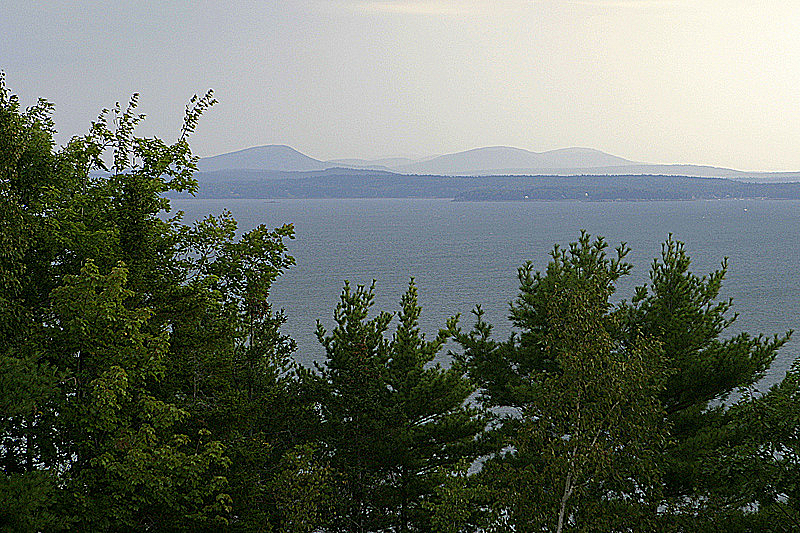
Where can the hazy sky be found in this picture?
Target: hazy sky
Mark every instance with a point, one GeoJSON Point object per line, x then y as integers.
{"type": "Point", "coordinates": [694, 81]}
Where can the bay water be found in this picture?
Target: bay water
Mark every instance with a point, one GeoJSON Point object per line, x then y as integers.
{"type": "Point", "coordinates": [463, 254]}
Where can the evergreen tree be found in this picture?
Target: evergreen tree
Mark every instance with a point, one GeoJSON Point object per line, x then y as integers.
{"type": "Point", "coordinates": [582, 424]}
{"type": "Point", "coordinates": [145, 383]}
{"type": "Point", "coordinates": [681, 311]}
{"type": "Point", "coordinates": [392, 419]}
{"type": "Point", "coordinates": [758, 478]}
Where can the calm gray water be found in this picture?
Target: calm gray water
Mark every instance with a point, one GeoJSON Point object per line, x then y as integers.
{"type": "Point", "coordinates": [463, 254]}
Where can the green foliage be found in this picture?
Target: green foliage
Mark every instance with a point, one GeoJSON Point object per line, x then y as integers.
{"type": "Point", "coordinates": [85, 438]}
{"type": "Point", "coordinates": [665, 350]}
{"type": "Point", "coordinates": [145, 383]}
{"type": "Point", "coordinates": [128, 469]}
{"type": "Point", "coordinates": [392, 419]}
{"type": "Point", "coordinates": [681, 311]}
{"type": "Point", "coordinates": [755, 473]}
{"type": "Point", "coordinates": [300, 489]}
{"type": "Point", "coordinates": [26, 499]}
{"type": "Point", "coordinates": [458, 501]}
{"type": "Point", "coordinates": [233, 367]}
{"type": "Point", "coordinates": [27, 381]}
{"type": "Point", "coordinates": [141, 356]}
{"type": "Point", "coordinates": [579, 446]}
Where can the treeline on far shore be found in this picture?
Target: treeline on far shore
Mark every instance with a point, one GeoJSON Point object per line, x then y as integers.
{"type": "Point", "coordinates": [358, 183]}
{"type": "Point", "coordinates": [145, 383]}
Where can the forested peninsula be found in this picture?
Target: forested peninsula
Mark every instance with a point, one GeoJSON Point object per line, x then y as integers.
{"type": "Point", "coordinates": [359, 183]}
{"type": "Point", "coordinates": [145, 383]}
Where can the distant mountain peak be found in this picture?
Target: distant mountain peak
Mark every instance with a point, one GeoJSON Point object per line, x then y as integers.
{"type": "Point", "coordinates": [279, 159]}
{"type": "Point", "coordinates": [487, 159]}
{"type": "Point", "coordinates": [267, 157]}
{"type": "Point", "coordinates": [507, 159]}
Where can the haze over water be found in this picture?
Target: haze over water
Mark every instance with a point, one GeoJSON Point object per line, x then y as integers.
{"type": "Point", "coordinates": [463, 254]}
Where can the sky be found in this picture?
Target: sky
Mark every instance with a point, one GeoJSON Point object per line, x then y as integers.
{"type": "Point", "coordinates": [713, 82]}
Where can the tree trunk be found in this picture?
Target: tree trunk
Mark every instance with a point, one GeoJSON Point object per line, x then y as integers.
{"type": "Point", "coordinates": [564, 498]}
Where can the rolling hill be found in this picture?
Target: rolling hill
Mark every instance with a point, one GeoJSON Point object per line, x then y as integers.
{"type": "Point", "coordinates": [277, 160]}
{"type": "Point", "coordinates": [270, 157]}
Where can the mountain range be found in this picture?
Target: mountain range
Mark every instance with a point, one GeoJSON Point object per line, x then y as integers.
{"type": "Point", "coordinates": [488, 161]}
{"type": "Point", "coordinates": [496, 173]}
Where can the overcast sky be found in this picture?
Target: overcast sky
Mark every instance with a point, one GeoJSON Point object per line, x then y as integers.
{"type": "Point", "coordinates": [665, 81]}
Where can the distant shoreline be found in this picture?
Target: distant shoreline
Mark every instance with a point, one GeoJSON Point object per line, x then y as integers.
{"type": "Point", "coordinates": [273, 200]}
{"type": "Point", "coordinates": [342, 183]}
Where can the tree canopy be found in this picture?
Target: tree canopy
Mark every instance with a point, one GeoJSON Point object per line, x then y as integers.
{"type": "Point", "coordinates": [146, 383]}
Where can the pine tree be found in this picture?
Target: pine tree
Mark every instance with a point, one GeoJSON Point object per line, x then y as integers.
{"type": "Point", "coordinates": [681, 311]}
{"type": "Point", "coordinates": [392, 419]}
{"type": "Point", "coordinates": [756, 472]}
{"type": "Point", "coordinates": [578, 442]}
